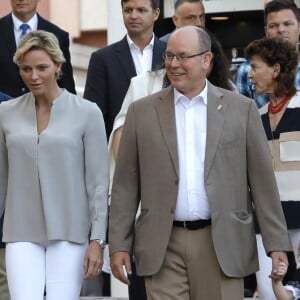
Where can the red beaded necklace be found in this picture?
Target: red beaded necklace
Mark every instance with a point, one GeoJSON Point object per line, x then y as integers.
{"type": "Point", "coordinates": [274, 109]}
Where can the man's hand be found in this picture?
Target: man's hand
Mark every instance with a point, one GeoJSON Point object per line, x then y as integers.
{"type": "Point", "coordinates": [93, 260]}
{"type": "Point", "coordinates": [118, 261]}
{"type": "Point", "coordinates": [277, 258]}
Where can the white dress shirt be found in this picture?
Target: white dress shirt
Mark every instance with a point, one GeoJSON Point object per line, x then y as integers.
{"type": "Point", "coordinates": [142, 59]}
{"type": "Point", "coordinates": [192, 202]}
{"type": "Point", "coordinates": [33, 23]}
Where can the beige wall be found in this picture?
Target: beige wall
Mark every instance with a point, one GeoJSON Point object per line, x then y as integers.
{"type": "Point", "coordinates": [73, 16]}
{"type": "Point", "coordinates": [115, 28]}
{"type": "Point", "coordinates": [214, 6]}
{"type": "Point", "coordinates": [65, 15]}
{"type": "Point", "coordinates": [43, 8]}
{"type": "Point", "coordinates": [60, 12]}
{"type": "Point", "coordinates": [4, 7]}
{"type": "Point", "coordinates": [94, 14]}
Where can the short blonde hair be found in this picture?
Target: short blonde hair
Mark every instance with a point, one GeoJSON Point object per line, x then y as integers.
{"type": "Point", "coordinates": [39, 40]}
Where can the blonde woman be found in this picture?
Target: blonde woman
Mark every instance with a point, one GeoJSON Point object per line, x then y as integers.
{"type": "Point", "coordinates": [54, 179]}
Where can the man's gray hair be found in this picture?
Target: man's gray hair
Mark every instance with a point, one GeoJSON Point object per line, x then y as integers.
{"type": "Point", "coordinates": [203, 37]}
{"type": "Point", "coordinates": [180, 2]}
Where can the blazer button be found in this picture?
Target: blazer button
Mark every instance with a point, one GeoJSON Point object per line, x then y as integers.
{"type": "Point", "coordinates": [176, 181]}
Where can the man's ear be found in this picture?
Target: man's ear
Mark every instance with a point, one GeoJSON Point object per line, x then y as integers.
{"type": "Point", "coordinates": [175, 20]}
{"type": "Point", "coordinates": [157, 14]}
{"type": "Point", "coordinates": [208, 57]}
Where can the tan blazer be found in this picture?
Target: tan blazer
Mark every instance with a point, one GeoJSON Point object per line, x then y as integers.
{"type": "Point", "coordinates": [237, 159]}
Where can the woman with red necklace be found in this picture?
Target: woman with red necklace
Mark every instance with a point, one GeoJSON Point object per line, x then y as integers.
{"type": "Point", "coordinates": [273, 70]}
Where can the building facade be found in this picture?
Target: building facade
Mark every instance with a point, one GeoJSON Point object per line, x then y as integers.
{"type": "Point", "coordinates": [93, 24]}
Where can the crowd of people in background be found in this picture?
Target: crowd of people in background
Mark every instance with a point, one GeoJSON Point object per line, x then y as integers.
{"type": "Point", "coordinates": [177, 171]}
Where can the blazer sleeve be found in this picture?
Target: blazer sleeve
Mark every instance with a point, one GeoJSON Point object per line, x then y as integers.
{"type": "Point", "coordinates": [97, 173]}
{"type": "Point", "coordinates": [158, 50]}
{"type": "Point", "coordinates": [129, 98]}
{"type": "Point", "coordinates": [118, 123]}
{"type": "Point", "coordinates": [125, 196]}
{"type": "Point", "coordinates": [67, 79]}
{"type": "Point", "coordinates": [3, 167]}
{"type": "Point", "coordinates": [140, 86]}
{"type": "Point", "coordinates": [263, 186]}
{"type": "Point", "coordinates": [96, 83]}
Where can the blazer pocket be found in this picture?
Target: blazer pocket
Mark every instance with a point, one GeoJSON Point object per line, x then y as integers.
{"type": "Point", "coordinates": [243, 216]}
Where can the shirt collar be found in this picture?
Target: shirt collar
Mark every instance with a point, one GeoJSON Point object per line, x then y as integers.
{"type": "Point", "coordinates": [202, 95]}
{"type": "Point", "coordinates": [132, 44]}
{"type": "Point", "coordinates": [33, 22]}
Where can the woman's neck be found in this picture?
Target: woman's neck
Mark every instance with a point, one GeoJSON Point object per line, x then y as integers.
{"type": "Point", "coordinates": [275, 99]}
{"type": "Point", "coordinates": [46, 100]}
{"type": "Point", "coordinates": [278, 104]}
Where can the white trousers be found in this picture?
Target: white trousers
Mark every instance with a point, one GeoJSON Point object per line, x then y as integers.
{"type": "Point", "coordinates": [264, 283]}
{"type": "Point", "coordinates": [4, 294]}
{"type": "Point", "coordinates": [56, 266]}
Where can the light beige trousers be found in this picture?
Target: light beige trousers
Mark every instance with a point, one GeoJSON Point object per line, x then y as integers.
{"type": "Point", "coordinates": [190, 271]}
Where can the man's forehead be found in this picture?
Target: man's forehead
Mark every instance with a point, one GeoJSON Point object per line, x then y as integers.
{"type": "Point", "coordinates": [185, 39]}
{"type": "Point", "coordinates": [137, 3]}
{"type": "Point", "coordinates": [282, 14]}
{"type": "Point", "coordinates": [189, 4]}
{"type": "Point", "coordinates": [188, 29]}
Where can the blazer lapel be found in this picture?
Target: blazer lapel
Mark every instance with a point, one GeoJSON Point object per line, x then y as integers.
{"type": "Point", "coordinates": [216, 112]}
{"type": "Point", "coordinates": [159, 48]}
{"type": "Point", "coordinates": [42, 25]}
{"type": "Point", "coordinates": [166, 117]}
{"type": "Point", "coordinates": [124, 57]}
{"type": "Point", "coordinates": [8, 34]}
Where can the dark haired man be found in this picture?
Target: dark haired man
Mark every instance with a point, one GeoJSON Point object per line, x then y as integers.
{"type": "Point", "coordinates": [24, 14]}
{"type": "Point", "coordinates": [187, 12]}
{"type": "Point", "coordinates": [110, 69]}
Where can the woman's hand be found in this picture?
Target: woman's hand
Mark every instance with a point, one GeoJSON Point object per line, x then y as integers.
{"type": "Point", "coordinates": [93, 260]}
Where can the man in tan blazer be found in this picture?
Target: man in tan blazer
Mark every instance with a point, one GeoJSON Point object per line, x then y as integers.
{"type": "Point", "coordinates": [195, 158]}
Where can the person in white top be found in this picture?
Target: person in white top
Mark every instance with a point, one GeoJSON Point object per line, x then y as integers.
{"type": "Point", "coordinates": [54, 180]}
{"type": "Point", "coordinates": [289, 291]}
{"type": "Point", "coordinates": [111, 68]}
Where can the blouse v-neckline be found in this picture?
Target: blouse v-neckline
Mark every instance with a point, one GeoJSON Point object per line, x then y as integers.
{"type": "Point", "coordinates": [54, 103]}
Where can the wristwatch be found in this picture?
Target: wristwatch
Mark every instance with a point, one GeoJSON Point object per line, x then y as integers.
{"type": "Point", "coordinates": [101, 243]}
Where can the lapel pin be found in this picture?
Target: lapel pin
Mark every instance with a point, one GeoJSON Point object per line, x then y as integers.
{"type": "Point", "coordinates": [219, 107]}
